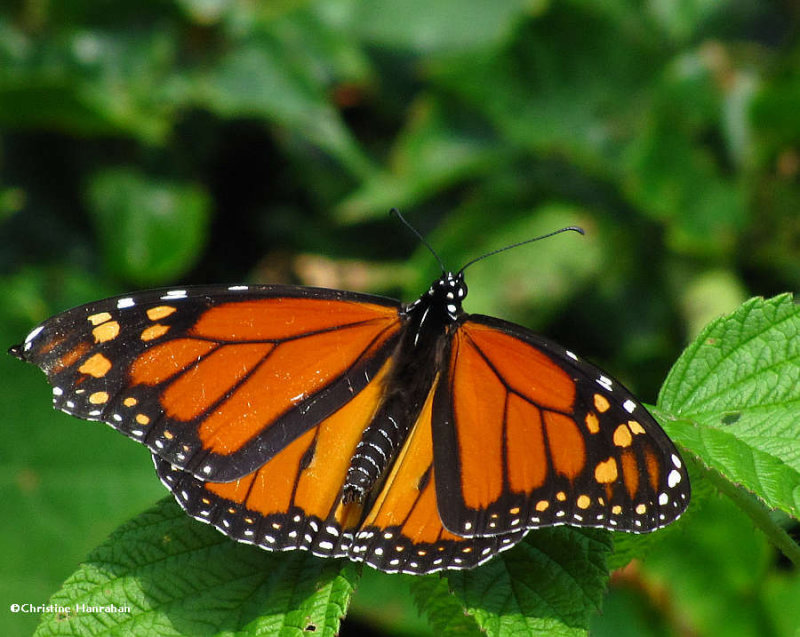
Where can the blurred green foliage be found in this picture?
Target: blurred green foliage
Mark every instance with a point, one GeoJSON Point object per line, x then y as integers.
{"type": "Point", "coordinates": [190, 141]}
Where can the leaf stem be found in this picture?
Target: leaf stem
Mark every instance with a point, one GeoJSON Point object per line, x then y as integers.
{"type": "Point", "coordinates": [758, 513]}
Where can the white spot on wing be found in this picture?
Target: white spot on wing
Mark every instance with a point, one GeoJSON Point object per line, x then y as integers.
{"type": "Point", "coordinates": [629, 406]}
{"type": "Point", "coordinates": [604, 382]}
{"type": "Point", "coordinates": [126, 302]}
{"type": "Point", "coordinates": [174, 294]}
{"type": "Point", "coordinates": [34, 333]}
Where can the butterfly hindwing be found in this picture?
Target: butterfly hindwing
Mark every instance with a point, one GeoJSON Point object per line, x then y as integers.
{"type": "Point", "coordinates": [295, 499]}
{"type": "Point", "coordinates": [215, 380]}
{"type": "Point", "coordinates": [527, 435]}
{"type": "Point", "coordinates": [403, 530]}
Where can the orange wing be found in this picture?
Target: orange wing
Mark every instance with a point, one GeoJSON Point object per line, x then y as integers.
{"type": "Point", "coordinates": [216, 381]}
{"type": "Point", "coordinates": [295, 500]}
{"type": "Point", "coordinates": [526, 435]}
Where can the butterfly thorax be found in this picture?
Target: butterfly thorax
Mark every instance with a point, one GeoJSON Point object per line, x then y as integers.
{"type": "Point", "coordinates": [441, 304]}
{"type": "Point", "coordinates": [416, 363]}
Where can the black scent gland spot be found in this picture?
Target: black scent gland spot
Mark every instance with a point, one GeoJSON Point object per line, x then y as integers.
{"type": "Point", "coordinates": [308, 456]}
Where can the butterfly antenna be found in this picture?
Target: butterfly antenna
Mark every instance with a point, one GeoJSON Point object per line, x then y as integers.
{"type": "Point", "coordinates": [396, 213]}
{"type": "Point", "coordinates": [522, 243]}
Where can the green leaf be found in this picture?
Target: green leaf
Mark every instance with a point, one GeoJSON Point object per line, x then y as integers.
{"type": "Point", "coordinates": [549, 584]}
{"type": "Point", "coordinates": [564, 86]}
{"type": "Point", "coordinates": [713, 568]}
{"type": "Point", "coordinates": [384, 601]}
{"type": "Point", "coordinates": [171, 575]}
{"type": "Point", "coordinates": [437, 150]}
{"type": "Point", "coordinates": [670, 177]}
{"type": "Point", "coordinates": [151, 230]}
{"type": "Point", "coordinates": [734, 395]}
{"type": "Point", "coordinates": [446, 25]}
{"type": "Point", "coordinates": [88, 81]}
{"type": "Point", "coordinates": [269, 75]}
{"type": "Point", "coordinates": [442, 609]}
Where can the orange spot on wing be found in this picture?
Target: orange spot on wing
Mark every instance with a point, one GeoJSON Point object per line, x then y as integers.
{"type": "Point", "coordinates": [106, 332]}
{"type": "Point", "coordinates": [99, 398]}
{"type": "Point", "coordinates": [281, 318]}
{"type": "Point", "coordinates": [567, 447]}
{"type": "Point", "coordinates": [601, 403]}
{"type": "Point", "coordinates": [153, 332]}
{"type": "Point", "coordinates": [162, 311]}
{"type": "Point", "coordinates": [630, 472]}
{"type": "Point", "coordinates": [163, 361]}
{"type": "Point", "coordinates": [96, 365]}
{"type": "Point", "coordinates": [636, 427]}
{"type": "Point", "coordinates": [622, 436]}
{"type": "Point", "coordinates": [606, 471]}
{"type": "Point", "coordinates": [100, 317]}
{"type": "Point", "coordinates": [653, 468]}
{"type": "Point", "coordinates": [295, 369]}
{"type": "Point", "coordinates": [527, 370]}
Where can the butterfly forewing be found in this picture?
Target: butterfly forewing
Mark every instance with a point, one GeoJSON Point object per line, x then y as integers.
{"type": "Point", "coordinates": [215, 380]}
{"type": "Point", "coordinates": [528, 435]}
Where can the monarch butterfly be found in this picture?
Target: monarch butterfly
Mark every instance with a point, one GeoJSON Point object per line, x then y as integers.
{"type": "Point", "coordinates": [414, 438]}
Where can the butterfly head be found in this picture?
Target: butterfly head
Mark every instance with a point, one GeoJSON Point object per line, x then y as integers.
{"type": "Point", "coordinates": [448, 292]}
